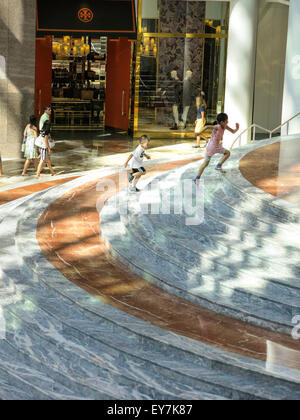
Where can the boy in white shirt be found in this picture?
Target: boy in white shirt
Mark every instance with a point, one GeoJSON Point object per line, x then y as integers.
{"type": "Point", "coordinates": [136, 163]}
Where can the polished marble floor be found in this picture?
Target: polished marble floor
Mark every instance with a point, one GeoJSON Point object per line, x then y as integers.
{"type": "Point", "coordinates": [59, 255]}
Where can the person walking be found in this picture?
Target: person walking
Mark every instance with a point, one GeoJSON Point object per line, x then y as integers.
{"type": "Point", "coordinates": [30, 150]}
{"type": "Point", "coordinates": [45, 151]}
{"type": "Point", "coordinates": [45, 117]}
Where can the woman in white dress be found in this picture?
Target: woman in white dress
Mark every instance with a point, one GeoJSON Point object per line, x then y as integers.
{"type": "Point", "coordinates": [30, 150]}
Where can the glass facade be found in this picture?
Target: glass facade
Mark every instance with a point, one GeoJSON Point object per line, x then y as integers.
{"type": "Point", "coordinates": [181, 52]}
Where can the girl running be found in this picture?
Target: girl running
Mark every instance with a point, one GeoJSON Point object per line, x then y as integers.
{"type": "Point", "coordinates": [214, 145]}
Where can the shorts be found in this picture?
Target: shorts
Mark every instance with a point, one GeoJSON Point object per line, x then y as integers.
{"type": "Point", "coordinates": [222, 151]}
{"type": "Point", "coordinates": [134, 171]}
{"type": "Point", "coordinates": [142, 170]}
{"type": "Point", "coordinates": [199, 125]}
{"type": "Point", "coordinates": [44, 154]}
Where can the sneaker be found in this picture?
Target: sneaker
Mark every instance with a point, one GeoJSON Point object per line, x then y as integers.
{"type": "Point", "coordinates": [175, 127]}
{"type": "Point", "coordinates": [220, 169]}
{"type": "Point", "coordinates": [197, 181]}
{"type": "Point", "coordinates": [134, 189]}
{"type": "Point", "coordinates": [130, 177]}
{"type": "Point", "coordinates": [196, 147]}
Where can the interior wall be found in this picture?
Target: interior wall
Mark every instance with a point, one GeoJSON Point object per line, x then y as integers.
{"type": "Point", "coordinates": [270, 64]}
{"type": "Point", "coordinates": [17, 49]}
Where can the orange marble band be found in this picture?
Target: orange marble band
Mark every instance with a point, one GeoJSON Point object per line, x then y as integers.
{"type": "Point", "coordinates": [69, 236]}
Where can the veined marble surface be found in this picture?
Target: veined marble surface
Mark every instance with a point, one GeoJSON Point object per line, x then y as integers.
{"type": "Point", "coordinates": [62, 343]}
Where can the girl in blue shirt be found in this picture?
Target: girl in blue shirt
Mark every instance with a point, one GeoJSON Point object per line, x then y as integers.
{"type": "Point", "coordinates": [201, 118]}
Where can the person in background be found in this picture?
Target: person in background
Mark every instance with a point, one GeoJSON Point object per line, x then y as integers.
{"type": "Point", "coordinates": [30, 150]}
{"type": "Point", "coordinates": [45, 151]}
{"type": "Point", "coordinates": [201, 118]}
{"type": "Point", "coordinates": [45, 117]}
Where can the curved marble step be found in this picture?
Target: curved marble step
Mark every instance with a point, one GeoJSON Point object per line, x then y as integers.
{"type": "Point", "coordinates": [226, 207]}
{"type": "Point", "coordinates": [276, 250]}
{"type": "Point", "coordinates": [32, 259]}
{"type": "Point", "coordinates": [190, 255]}
{"type": "Point", "coordinates": [206, 291]}
{"type": "Point", "coordinates": [279, 312]}
{"type": "Point", "coordinates": [46, 352]}
{"type": "Point", "coordinates": [192, 392]}
{"type": "Point", "coordinates": [84, 376]}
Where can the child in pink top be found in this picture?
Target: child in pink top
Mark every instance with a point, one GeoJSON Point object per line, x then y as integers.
{"type": "Point", "coordinates": [215, 143]}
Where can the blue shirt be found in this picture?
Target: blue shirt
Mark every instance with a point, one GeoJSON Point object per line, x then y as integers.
{"type": "Point", "coordinates": [200, 110]}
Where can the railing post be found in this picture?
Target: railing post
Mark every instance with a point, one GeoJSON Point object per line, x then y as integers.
{"type": "Point", "coordinates": [254, 133]}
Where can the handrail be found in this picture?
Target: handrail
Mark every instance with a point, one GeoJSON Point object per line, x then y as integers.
{"type": "Point", "coordinates": [271, 132]}
{"type": "Point", "coordinates": [285, 123]}
{"type": "Point", "coordinates": [247, 129]}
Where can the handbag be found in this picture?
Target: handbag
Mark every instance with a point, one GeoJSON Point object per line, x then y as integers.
{"type": "Point", "coordinates": [40, 142]}
{"type": "Point", "coordinates": [24, 144]}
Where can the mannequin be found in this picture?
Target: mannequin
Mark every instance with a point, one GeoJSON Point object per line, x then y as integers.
{"type": "Point", "coordinates": [175, 87]}
{"type": "Point", "coordinates": [188, 90]}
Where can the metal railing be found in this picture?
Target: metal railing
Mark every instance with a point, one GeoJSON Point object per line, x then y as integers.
{"type": "Point", "coordinates": [271, 132]}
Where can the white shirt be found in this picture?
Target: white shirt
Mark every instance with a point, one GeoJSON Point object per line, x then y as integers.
{"type": "Point", "coordinates": [138, 158]}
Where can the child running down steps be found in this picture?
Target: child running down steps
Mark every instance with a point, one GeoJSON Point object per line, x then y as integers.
{"type": "Point", "coordinates": [136, 163]}
{"type": "Point", "coordinates": [214, 145]}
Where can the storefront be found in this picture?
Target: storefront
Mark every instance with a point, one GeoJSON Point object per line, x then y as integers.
{"type": "Point", "coordinates": [142, 72]}
{"type": "Point", "coordinates": [181, 52]}
{"type": "Point", "coordinates": [84, 62]}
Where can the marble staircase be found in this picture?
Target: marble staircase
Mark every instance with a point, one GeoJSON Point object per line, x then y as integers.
{"type": "Point", "coordinates": [62, 343]}
{"type": "Point", "coordinates": [241, 260]}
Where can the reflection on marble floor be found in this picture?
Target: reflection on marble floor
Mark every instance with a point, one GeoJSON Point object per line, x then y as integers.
{"type": "Point", "coordinates": [203, 313]}
{"type": "Point", "coordinates": [83, 151]}
{"type": "Point", "coordinates": [275, 169]}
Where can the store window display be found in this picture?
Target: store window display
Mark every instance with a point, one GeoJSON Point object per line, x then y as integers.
{"type": "Point", "coordinates": [190, 39]}
{"type": "Point", "coordinates": [175, 97]}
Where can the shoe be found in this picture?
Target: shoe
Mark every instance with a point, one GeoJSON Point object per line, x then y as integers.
{"type": "Point", "coordinates": [130, 177]}
{"type": "Point", "coordinates": [196, 147]}
{"type": "Point", "coordinates": [175, 127]}
{"type": "Point", "coordinates": [219, 168]}
{"type": "Point", "coordinates": [197, 181]}
{"type": "Point", "coordinates": [134, 189]}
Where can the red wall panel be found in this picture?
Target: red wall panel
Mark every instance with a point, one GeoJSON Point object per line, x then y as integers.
{"type": "Point", "coordinates": [43, 74]}
{"type": "Point", "coordinates": [118, 83]}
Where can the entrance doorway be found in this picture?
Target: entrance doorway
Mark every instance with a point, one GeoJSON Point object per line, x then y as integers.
{"type": "Point", "coordinates": [86, 80]}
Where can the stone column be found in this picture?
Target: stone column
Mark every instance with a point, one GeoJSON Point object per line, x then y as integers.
{"type": "Point", "coordinates": [291, 95]}
{"type": "Point", "coordinates": [17, 72]}
{"type": "Point", "coordinates": [240, 70]}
